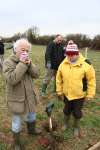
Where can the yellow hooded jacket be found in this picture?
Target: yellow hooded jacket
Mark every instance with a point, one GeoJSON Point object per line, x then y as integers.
{"type": "Point", "coordinates": [69, 79]}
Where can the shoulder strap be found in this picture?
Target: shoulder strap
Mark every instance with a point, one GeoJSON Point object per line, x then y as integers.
{"type": "Point", "coordinates": [88, 61]}
{"type": "Point", "coordinates": [84, 79]}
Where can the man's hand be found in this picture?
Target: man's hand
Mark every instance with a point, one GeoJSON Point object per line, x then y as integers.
{"type": "Point", "coordinates": [28, 62]}
{"type": "Point", "coordinates": [61, 97]}
{"type": "Point", "coordinates": [88, 100]}
{"type": "Point", "coordinates": [48, 65]}
{"type": "Point", "coordinates": [25, 58]}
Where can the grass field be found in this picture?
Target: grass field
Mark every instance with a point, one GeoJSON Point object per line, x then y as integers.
{"type": "Point", "coordinates": [90, 123]}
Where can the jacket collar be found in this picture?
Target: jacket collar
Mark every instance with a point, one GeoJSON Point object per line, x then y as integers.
{"type": "Point", "coordinates": [14, 58]}
{"type": "Point", "coordinates": [78, 62]}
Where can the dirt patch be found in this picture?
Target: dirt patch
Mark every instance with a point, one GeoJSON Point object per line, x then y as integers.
{"type": "Point", "coordinates": [51, 139]}
{"type": "Point", "coordinates": [5, 138]}
{"type": "Point", "coordinates": [54, 125]}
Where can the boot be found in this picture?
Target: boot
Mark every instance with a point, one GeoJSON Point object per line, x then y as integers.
{"type": "Point", "coordinates": [76, 127]}
{"type": "Point", "coordinates": [31, 127]}
{"type": "Point", "coordinates": [43, 91]}
{"type": "Point", "coordinates": [17, 143]}
{"type": "Point", "coordinates": [66, 122]}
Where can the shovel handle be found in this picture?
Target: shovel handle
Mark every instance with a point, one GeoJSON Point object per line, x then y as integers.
{"type": "Point", "coordinates": [50, 123]}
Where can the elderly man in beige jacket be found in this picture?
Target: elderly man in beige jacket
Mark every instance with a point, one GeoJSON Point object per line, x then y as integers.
{"type": "Point", "coordinates": [19, 73]}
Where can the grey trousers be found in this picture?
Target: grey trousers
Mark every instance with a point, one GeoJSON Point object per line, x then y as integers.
{"type": "Point", "coordinates": [49, 74]}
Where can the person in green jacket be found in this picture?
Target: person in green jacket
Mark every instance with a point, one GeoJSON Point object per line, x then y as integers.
{"type": "Point", "coordinates": [54, 55]}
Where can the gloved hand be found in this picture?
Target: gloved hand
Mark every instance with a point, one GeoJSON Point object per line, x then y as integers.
{"type": "Point", "coordinates": [24, 57]}
{"type": "Point", "coordinates": [48, 65]}
{"type": "Point", "coordinates": [88, 100]}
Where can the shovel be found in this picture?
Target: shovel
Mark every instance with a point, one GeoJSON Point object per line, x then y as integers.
{"type": "Point", "coordinates": [48, 110]}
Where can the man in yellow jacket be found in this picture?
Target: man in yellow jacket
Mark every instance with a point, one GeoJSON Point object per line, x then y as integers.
{"type": "Point", "coordinates": [75, 83]}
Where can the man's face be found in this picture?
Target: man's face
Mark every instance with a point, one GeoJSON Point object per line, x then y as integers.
{"type": "Point", "coordinates": [22, 47]}
{"type": "Point", "coordinates": [59, 39]}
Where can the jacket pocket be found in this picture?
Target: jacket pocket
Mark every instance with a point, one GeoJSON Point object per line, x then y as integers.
{"type": "Point", "coordinates": [16, 107]}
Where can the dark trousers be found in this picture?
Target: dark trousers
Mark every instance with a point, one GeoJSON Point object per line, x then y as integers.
{"type": "Point", "coordinates": [74, 107]}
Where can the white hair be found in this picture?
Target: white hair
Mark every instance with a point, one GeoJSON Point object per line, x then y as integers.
{"type": "Point", "coordinates": [19, 41]}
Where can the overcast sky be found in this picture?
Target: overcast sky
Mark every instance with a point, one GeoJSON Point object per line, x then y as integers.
{"type": "Point", "coordinates": [50, 16]}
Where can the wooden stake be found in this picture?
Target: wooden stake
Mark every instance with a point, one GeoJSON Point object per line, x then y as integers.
{"type": "Point", "coordinates": [94, 147]}
{"type": "Point", "coordinates": [86, 52]}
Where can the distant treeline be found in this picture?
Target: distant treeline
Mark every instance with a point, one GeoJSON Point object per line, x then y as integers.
{"type": "Point", "coordinates": [33, 36]}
